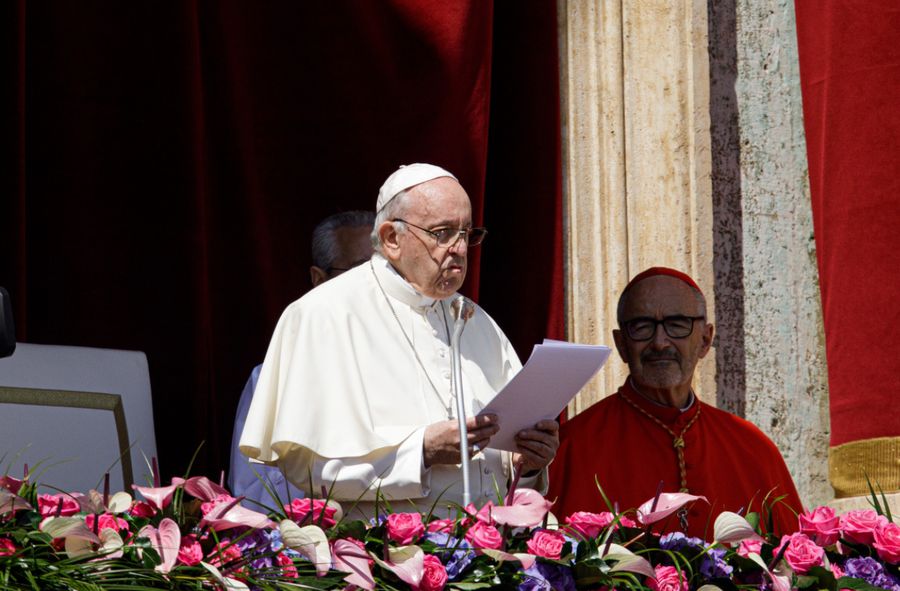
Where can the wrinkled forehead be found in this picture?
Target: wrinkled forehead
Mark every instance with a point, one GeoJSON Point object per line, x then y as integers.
{"type": "Point", "coordinates": [661, 296]}
{"type": "Point", "coordinates": [440, 200]}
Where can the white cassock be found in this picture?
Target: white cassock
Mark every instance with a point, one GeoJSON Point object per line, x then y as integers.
{"type": "Point", "coordinates": [355, 371]}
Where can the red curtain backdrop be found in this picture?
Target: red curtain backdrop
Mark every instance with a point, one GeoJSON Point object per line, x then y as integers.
{"type": "Point", "coordinates": [165, 163]}
{"type": "Point", "coordinates": [850, 77]}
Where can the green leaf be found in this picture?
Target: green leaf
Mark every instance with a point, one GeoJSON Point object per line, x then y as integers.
{"type": "Point", "coordinates": [854, 583]}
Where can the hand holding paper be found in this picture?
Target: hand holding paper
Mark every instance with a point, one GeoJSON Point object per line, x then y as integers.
{"type": "Point", "coordinates": [553, 375]}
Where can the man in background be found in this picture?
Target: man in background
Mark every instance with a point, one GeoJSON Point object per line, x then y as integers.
{"type": "Point", "coordinates": [339, 242]}
{"type": "Point", "coordinates": [655, 431]}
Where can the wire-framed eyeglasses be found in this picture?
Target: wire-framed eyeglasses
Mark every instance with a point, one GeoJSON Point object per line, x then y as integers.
{"type": "Point", "coordinates": [643, 328]}
{"type": "Point", "coordinates": [447, 237]}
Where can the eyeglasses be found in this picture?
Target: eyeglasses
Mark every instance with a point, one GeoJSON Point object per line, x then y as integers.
{"type": "Point", "coordinates": [447, 237]}
{"type": "Point", "coordinates": [643, 328]}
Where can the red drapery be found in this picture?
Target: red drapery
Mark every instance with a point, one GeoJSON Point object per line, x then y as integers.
{"type": "Point", "coordinates": [165, 163]}
{"type": "Point", "coordinates": [850, 77]}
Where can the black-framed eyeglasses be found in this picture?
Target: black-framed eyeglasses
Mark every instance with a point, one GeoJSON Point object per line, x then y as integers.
{"type": "Point", "coordinates": [447, 237]}
{"type": "Point", "coordinates": [643, 328]}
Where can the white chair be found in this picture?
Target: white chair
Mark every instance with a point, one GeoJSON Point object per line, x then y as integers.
{"type": "Point", "coordinates": [74, 413]}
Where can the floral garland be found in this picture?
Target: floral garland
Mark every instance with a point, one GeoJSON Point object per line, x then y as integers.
{"type": "Point", "coordinates": [192, 534]}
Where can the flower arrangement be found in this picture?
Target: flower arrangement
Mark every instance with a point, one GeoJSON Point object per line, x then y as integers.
{"type": "Point", "coordinates": [192, 534]}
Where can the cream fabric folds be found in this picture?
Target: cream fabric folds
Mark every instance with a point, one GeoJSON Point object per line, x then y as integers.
{"type": "Point", "coordinates": [342, 397]}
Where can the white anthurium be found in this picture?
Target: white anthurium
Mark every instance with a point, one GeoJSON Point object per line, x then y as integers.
{"type": "Point", "coordinates": [407, 562]}
{"type": "Point", "coordinates": [527, 560]}
{"type": "Point", "coordinates": [779, 582]}
{"type": "Point", "coordinates": [68, 527]}
{"type": "Point", "coordinates": [731, 528]}
{"type": "Point", "coordinates": [119, 502]}
{"type": "Point", "coordinates": [310, 541]}
{"type": "Point", "coordinates": [626, 560]}
{"type": "Point", "coordinates": [227, 583]}
{"type": "Point", "coordinates": [709, 588]}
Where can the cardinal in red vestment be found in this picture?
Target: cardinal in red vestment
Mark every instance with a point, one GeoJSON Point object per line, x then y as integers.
{"type": "Point", "coordinates": [655, 434]}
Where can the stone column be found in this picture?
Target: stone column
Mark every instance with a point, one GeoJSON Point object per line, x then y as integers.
{"type": "Point", "coordinates": [636, 147]}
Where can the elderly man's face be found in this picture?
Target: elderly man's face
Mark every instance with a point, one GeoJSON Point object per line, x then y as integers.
{"type": "Point", "coordinates": [663, 362]}
{"type": "Point", "coordinates": [435, 271]}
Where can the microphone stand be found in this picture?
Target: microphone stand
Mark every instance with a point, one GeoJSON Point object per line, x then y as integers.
{"type": "Point", "coordinates": [462, 310]}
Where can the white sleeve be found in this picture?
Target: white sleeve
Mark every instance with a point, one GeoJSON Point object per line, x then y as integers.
{"type": "Point", "coordinates": [394, 472]}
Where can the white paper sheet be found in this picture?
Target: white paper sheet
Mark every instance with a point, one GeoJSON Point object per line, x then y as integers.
{"type": "Point", "coordinates": [553, 375]}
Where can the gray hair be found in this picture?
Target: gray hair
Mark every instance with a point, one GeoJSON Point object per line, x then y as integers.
{"type": "Point", "coordinates": [324, 244]}
{"type": "Point", "coordinates": [392, 209]}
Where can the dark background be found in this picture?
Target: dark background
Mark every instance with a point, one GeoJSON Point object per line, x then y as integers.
{"type": "Point", "coordinates": [165, 162]}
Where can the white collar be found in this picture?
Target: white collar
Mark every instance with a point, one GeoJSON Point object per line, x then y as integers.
{"type": "Point", "coordinates": [398, 287]}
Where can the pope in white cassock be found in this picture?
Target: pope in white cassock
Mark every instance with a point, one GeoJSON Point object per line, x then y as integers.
{"type": "Point", "coordinates": [355, 390]}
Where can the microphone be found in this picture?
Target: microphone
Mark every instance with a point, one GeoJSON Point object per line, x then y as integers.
{"type": "Point", "coordinates": [462, 309]}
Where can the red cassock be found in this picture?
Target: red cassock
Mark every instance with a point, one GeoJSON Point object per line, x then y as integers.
{"type": "Point", "coordinates": [728, 460]}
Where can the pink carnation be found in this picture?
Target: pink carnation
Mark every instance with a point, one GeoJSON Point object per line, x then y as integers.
{"type": "Point", "coordinates": [441, 525]}
{"type": "Point", "coordinates": [311, 511]}
{"type": "Point", "coordinates": [141, 509]}
{"type": "Point", "coordinates": [546, 543]}
{"type": "Point", "coordinates": [802, 554]}
{"type": "Point", "coordinates": [48, 505]}
{"type": "Point", "coordinates": [821, 525]}
{"type": "Point", "coordinates": [887, 542]}
{"type": "Point", "coordinates": [106, 521]}
{"type": "Point", "coordinates": [405, 528]}
{"type": "Point", "coordinates": [287, 565]}
{"type": "Point", "coordinates": [221, 499]}
{"type": "Point", "coordinates": [224, 552]}
{"type": "Point", "coordinates": [668, 579]}
{"type": "Point", "coordinates": [589, 525]}
{"type": "Point", "coordinates": [435, 576]}
{"type": "Point", "coordinates": [7, 548]}
{"type": "Point", "coordinates": [747, 547]}
{"type": "Point", "coordinates": [859, 525]}
{"type": "Point", "coordinates": [484, 535]}
{"type": "Point", "coordinates": [189, 552]}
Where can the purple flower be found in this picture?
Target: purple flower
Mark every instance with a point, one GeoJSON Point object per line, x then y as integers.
{"type": "Point", "coordinates": [456, 554]}
{"type": "Point", "coordinates": [866, 568]}
{"type": "Point", "coordinates": [543, 576]}
{"type": "Point", "coordinates": [678, 542]}
{"type": "Point", "coordinates": [714, 566]}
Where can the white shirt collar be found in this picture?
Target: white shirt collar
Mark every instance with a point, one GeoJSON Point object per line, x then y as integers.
{"type": "Point", "coordinates": [396, 286]}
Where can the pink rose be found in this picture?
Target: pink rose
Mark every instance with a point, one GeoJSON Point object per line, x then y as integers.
{"type": "Point", "coordinates": [142, 509]}
{"type": "Point", "coordinates": [189, 552]}
{"type": "Point", "coordinates": [821, 525]}
{"type": "Point", "coordinates": [48, 505]}
{"type": "Point", "coordinates": [627, 521]}
{"type": "Point", "coordinates": [7, 548]}
{"type": "Point", "coordinates": [668, 579]}
{"type": "Point", "coordinates": [546, 543]}
{"type": "Point", "coordinates": [802, 554]}
{"type": "Point", "coordinates": [859, 525]}
{"type": "Point", "coordinates": [310, 511]}
{"type": "Point", "coordinates": [887, 542]}
{"type": "Point", "coordinates": [484, 535]}
{"type": "Point", "coordinates": [747, 547]}
{"type": "Point", "coordinates": [441, 525]}
{"type": "Point", "coordinates": [106, 521]}
{"type": "Point", "coordinates": [435, 576]}
{"type": "Point", "coordinates": [405, 528]}
{"type": "Point", "coordinates": [589, 525]}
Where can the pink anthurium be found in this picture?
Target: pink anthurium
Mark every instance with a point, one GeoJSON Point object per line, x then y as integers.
{"type": "Point", "coordinates": [527, 509]}
{"type": "Point", "coordinates": [10, 502]}
{"type": "Point", "coordinates": [11, 484]}
{"type": "Point", "coordinates": [350, 558]}
{"type": "Point", "coordinates": [779, 582]}
{"type": "Point", "coordinates": [233, 514]}
{"type": "Point", "coordinates": [160, 496]}
{"type": "Point", "coordinates": [204, 489]}
{"type": "Point", "coordinates": [407, 562]}
{"type": "Point", "coordinates": [166, 540]}
{"type": "Point", "coordinates": [665, 505]}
